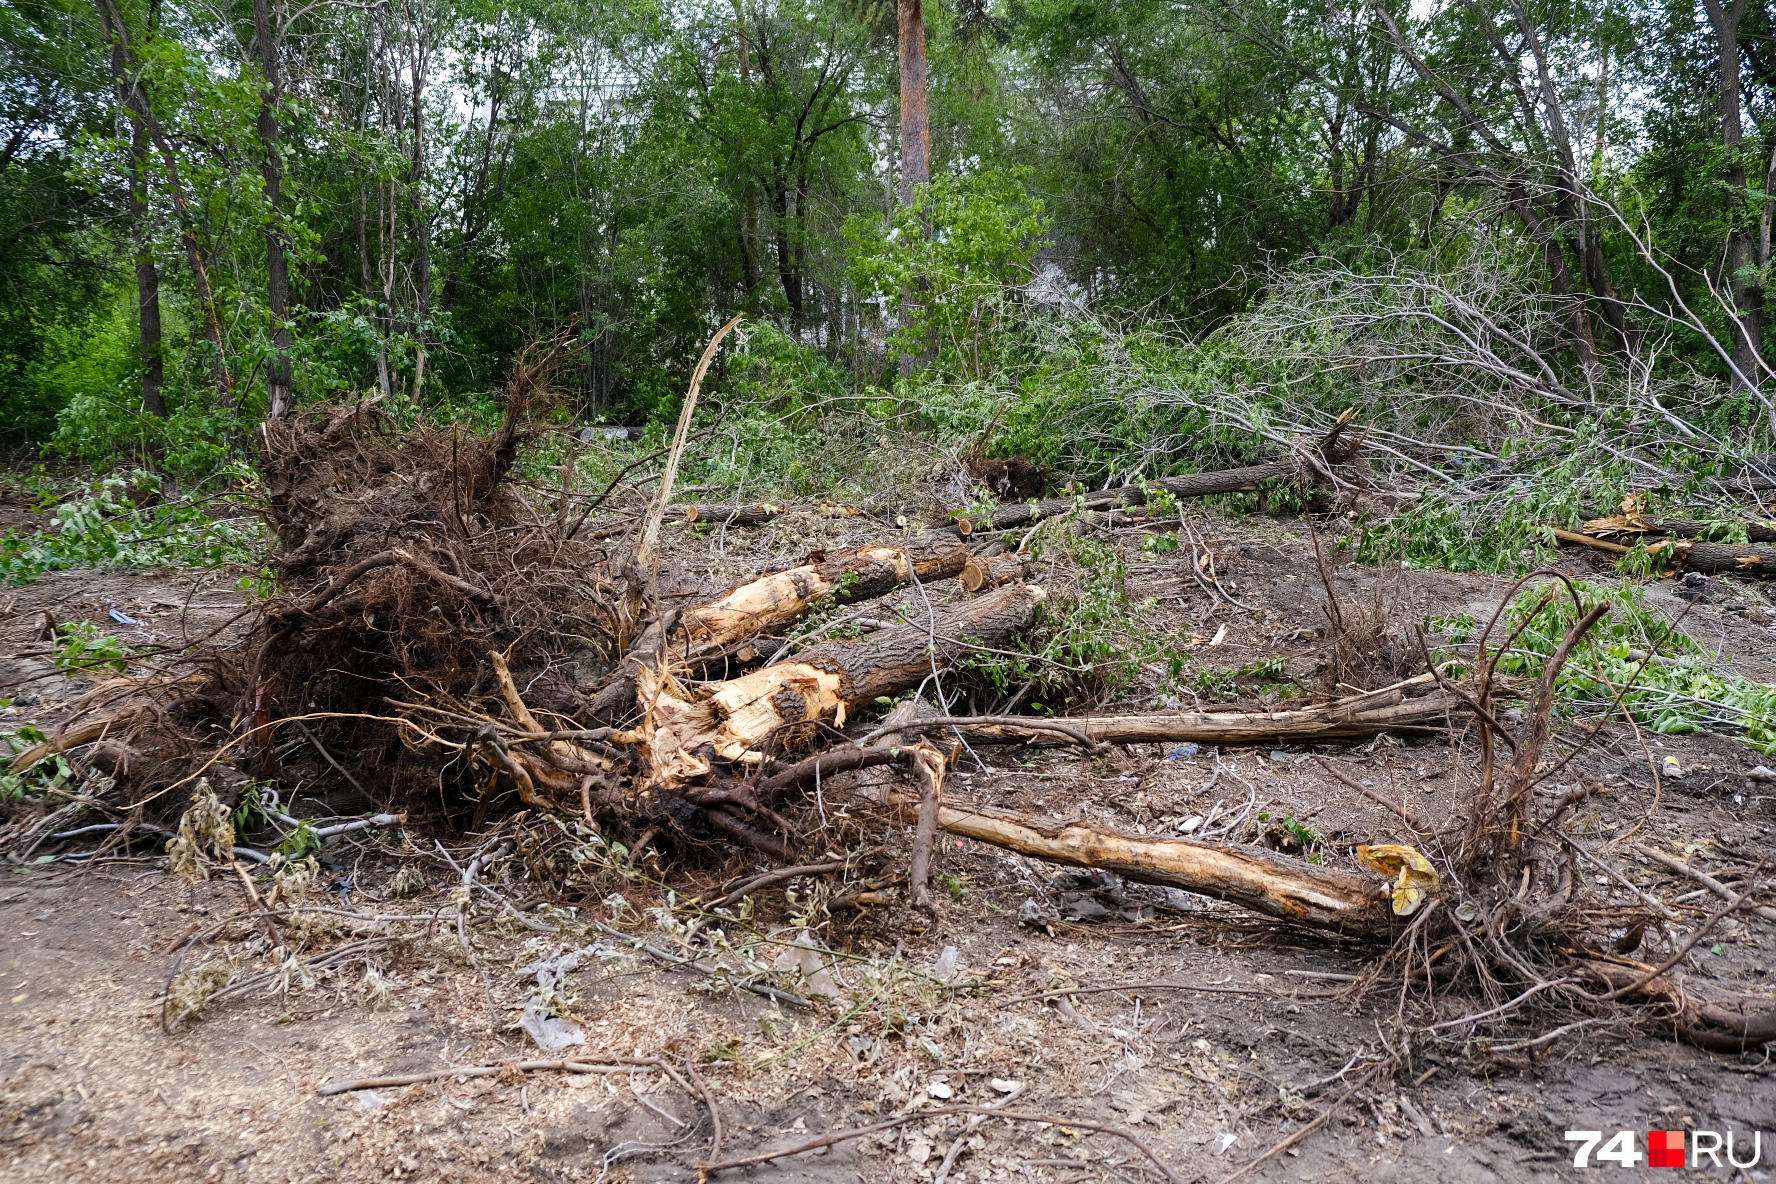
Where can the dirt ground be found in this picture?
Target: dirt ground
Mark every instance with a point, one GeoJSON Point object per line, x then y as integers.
{"type": "Point", "coordinates": [93, 1089]}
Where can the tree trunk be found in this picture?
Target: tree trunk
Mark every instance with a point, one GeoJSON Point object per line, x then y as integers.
{"type": "Point", "coordinates": [780, 598]}
{"type": "Point", "coordinates": [915, 101]}
{"type": "Point", "coordinates": [279, 382]}
{"type": "Point", "coordinates": [112, 20]}
{"type": "Point", "coordinates": [1684, 528]}
{"type": "Point", "coordinates": [992, 571]}
{"type": "Point", "coordinates": [915, 137]}
{"type": "Point", "coordinates": [751, 263]}
{"type": "Point", "coordinates": [1744, 286]}
{"type": "Point", "coordinates": [787, 271]}
{"type": "Point", "coordinates": [1391, 709]}
{"type": "Point", "coordinates": [737, 515]}
{"type": "Point", "coordinates": [1560, 277]}
{"type": "Point", "coordinates": [1740, 559]}
{"type": "Point", "coordinates": [142, 236]}
{"type": "Point", "coordinates": [419, 61]}
{"type": "Point", "coordinates": [709, 629]}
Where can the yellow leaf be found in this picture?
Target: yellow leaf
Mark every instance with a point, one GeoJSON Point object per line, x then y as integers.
{"type": "Point", "coordinates": [1413, 874]}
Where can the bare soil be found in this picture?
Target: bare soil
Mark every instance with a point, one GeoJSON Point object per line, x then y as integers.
{"type": "Point", "coordinates": [93, 1089]}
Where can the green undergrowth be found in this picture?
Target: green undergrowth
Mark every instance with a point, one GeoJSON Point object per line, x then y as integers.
{"type": "Point", "coordinates": [1087, 642]}
{"type": "Point", "coordinates": [1683, 688]}
{"type": "Point", "coordinates": [122, 521]}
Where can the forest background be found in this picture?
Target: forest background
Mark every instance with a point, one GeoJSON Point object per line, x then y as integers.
{"type": "Point", "coordinates": [1525, 236]}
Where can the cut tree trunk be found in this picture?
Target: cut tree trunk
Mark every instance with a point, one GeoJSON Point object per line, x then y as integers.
{"type": "Point", "coordinates": [1741, 559]}
{"type": "Point", "coordinates": [732, 515]}
{"type": "Point", "coordinates": [684, 729]}
{"type": "Point", "coordinates": [703, 631]}
{"type": "Point", "coordinates": [993, 571]}
{"type": "Point", "coordinates": [1269, 884]}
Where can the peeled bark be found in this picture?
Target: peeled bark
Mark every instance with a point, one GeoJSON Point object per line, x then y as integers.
{"type": "Point", "coordinates": [1272, 885]}
{"type": "Point", "coordinates": [684, 729]}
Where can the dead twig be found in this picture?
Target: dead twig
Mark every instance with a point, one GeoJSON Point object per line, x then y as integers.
{"type": "Point", "coordinates": [846, 1136]}
{"type": "Point", "coordinates": [1702, 930]}
{"type": "Point", "coordinates": [1136, 988]}
{"type": "Point", "coordinates": [778, 876]}
{"type": "Point", "coordinates": [1701, 877]}
{"type": "Point", "coordinates": [1407, 816]}
{"type": "Point", "coordinates": [715, 1140]}
{"type": "Point", "coordinates": [614, 1065]}
{"type": "Point", "coordinates": [1025, 723]}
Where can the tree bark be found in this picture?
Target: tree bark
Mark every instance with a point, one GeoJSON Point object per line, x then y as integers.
{"type": "Point", "coordinates": [862, 573]}
{"type": "Point", "coordinates": [1734, 558]}
{"type": "Point", "coordinates": [736, 515]}
{"type": "Point", "coordinates": [915, 140]}
{"type": "Point", "coordinates": [992, 571]}
{"type": "Point", "coordinates": [1412, 706]}
{"type": "Point", "coordinates": [1683, 528]}
{"type": "Point", "coordinates": [280, 394]}
{"type": "Point", "coordinates": [915, 101]}
{"type": "Point", "coordinates": [419, 58]}
{"type": "Point", "coordinates": [703, 631]}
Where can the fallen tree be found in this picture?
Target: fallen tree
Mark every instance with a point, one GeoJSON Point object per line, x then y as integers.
{"type": "Point", "coordinates": [1416, 705]}
{"type": "Point", "coordinates": [1241, 480]}
{"type": "Point", "coordinates": [1310, 463]}
{"type": "Point", "coordinates": [1710, 558]}
{"type": "Point", "coordinates": [1690, 554]}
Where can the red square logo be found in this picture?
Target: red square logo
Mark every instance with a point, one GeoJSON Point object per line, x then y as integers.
{"type": "Point", "coordinates": [1665, 1149]}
